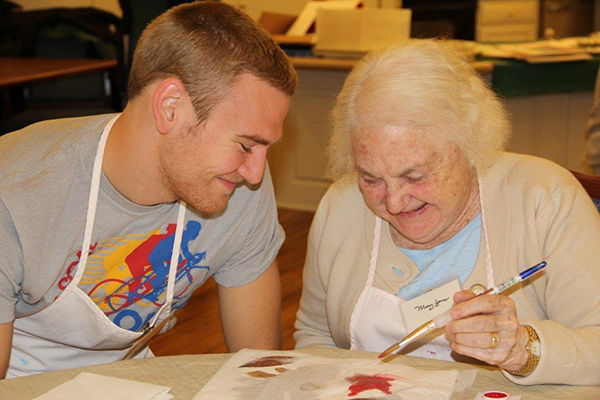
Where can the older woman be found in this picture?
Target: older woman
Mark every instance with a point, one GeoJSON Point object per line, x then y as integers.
{"type": "Point", "coordinates": [425, 195]}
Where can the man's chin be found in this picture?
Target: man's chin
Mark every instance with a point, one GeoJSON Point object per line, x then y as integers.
{"type": "Point", "coordinates": [209, 209]}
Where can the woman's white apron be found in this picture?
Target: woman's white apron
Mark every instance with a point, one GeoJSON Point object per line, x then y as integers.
{"type": "Point", "coordinates": [72, 331]}
{"type": "Point", "coordinates": [377, 322]}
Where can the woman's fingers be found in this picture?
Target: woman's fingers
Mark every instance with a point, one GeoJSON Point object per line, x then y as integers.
{"type": "Point", "coordinates": [486, 304]}
{"type": "Point", "coordinates": [462, 296]}
{"type": "Point", "coordinates": [481, 340]}
{"type": "Point", "coordinates": [485, 327]}
{"type": "Point", "coordinates": [484, 323]}
{"type": "Point", "coordinates": [509, 352]}
{"type": "Point", "coordinates": [492, 357]}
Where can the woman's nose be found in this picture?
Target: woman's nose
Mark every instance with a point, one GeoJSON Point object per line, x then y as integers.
{"type": "Point", "coordinates": [397, 199]}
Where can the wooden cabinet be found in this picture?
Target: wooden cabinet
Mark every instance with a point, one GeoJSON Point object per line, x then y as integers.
{"type": "Point", "coordinates": [507, 20]}
{"type": "Point", "coordinates": [298, 160]}
{"type": "Point", "coordinates": [551, 126]}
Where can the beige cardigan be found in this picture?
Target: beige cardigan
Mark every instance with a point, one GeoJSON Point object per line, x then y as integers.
{"type": "Point", "coordinates": [534, 210]}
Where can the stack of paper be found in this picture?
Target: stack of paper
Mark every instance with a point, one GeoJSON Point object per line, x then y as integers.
{"type": "Point", "coordinates": [547, 51]}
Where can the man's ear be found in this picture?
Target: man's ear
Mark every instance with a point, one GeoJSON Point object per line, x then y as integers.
{"type": "Point", "coordinates": [167, 104]}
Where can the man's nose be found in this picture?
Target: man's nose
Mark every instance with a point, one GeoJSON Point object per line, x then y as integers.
{"type": "Point", "coordinates": [253, 168]}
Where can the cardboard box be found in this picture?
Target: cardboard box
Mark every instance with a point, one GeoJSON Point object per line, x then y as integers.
{"type": "Point", "coordinates": [275, 23]}
{"type": "Point", "coordinates": [353, 33]}
{"type": "Point", "coordinates": [309, 13]}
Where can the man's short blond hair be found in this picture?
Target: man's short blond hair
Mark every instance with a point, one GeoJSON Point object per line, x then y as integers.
{"type": "Point", "coordinates": [207, 45]}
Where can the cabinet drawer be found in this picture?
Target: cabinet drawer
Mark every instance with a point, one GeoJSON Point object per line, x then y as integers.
{"type": "Point", "coordinates": [507, 12]}
{"type": "Point", "coordinates": [507, 33]}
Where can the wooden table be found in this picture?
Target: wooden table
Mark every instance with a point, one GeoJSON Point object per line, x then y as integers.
{"type": "Point", "coordinates": [19, 71]}
{"type": "Point", "coordinates": [186, 375]}
{"type": "Point", "coordinates": [16, 72]}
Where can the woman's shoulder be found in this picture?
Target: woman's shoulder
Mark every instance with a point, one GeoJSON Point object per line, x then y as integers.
{"type": "Point", "coordinates": [343, 202]}
{"type": "Point", "coordinates": [344, 191]}
{"type": "Point", "coordinates": [528, 172]}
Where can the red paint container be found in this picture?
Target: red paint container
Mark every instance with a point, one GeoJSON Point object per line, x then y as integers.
{"type": "Point", "coordinates": [495, 395]}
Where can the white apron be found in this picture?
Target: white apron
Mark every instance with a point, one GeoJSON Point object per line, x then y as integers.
{"type": "Point", "coordinates": [72, 331]}
{"type": "Point", "coordinates": [377, 322]}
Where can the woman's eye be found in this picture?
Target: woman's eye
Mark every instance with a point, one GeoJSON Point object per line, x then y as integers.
{"type": "Point", "coordinates": [416, 179]}
{"type": "Point", "coordinates": [370, 181]}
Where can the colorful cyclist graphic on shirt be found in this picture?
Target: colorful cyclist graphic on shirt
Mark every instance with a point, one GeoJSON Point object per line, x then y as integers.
{"type": "Point", "coordinates": [127, 276]}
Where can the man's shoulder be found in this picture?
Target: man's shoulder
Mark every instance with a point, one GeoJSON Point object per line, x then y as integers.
{"type": "Point", "coordinates": [28, 150]}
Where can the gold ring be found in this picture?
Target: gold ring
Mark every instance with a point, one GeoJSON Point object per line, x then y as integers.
{"type": "Point", "coordinates": [495, 340]}
{"type": "Point", "coordinates": [477, 288]}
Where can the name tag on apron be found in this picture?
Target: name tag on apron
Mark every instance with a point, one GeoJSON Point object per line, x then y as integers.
{"type": "Point", "coordinates": [431, 304]}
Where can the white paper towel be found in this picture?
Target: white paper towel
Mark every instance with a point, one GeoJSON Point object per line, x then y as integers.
{"type": "Point", "coordinates": [99, 387]}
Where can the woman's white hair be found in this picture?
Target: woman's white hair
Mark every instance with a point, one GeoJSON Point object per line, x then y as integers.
{"type": "Point", "coordinates": [422, 85]}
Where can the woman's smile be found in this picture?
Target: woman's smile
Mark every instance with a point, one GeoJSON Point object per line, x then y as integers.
{"type": "Point", "coordinates": [415, 212]}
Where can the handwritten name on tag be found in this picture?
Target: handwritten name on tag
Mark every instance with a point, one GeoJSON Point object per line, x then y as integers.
{"type": "Point", "coordinates": [431, 304]}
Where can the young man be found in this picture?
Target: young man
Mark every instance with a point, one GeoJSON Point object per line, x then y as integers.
{"type": "Point", "coordinates": [108, 223]}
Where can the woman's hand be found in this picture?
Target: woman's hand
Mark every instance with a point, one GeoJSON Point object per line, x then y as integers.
{"type": "Point", "coordinates": [487, 328]}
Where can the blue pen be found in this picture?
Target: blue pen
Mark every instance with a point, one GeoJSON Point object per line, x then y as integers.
{"type": "Point", "coordinates": [441, 320]}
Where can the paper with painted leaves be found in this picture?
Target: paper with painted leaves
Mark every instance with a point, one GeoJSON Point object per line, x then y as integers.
{"type": "Point", "coordinates": [262, 375]}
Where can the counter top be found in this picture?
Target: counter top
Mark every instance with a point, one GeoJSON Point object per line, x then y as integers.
{"type": "Point", "coordinates": [348, 64]}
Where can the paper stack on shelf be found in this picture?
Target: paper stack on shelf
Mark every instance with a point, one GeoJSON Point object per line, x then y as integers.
{"type": "Point", "coordinates": [546, 51]}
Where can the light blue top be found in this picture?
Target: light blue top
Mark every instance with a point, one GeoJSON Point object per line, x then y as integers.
{"type": "Point", "coordinates": [453, 259]}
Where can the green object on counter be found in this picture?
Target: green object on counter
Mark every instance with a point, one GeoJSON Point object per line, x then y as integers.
{"type": "Point", "coordinates": [513, 78]}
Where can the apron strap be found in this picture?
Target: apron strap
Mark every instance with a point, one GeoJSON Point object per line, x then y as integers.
{"type": "Point", "coordinates": [92, 202]}
{"type": "Point", "coordinates": [488, 254]}
{"type": "Point", "coordinates": [166, 308]}
{"type": "Point", "coordinates": [374, 251]}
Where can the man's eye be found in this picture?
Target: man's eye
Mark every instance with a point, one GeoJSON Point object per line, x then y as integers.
{"type": "Point", "coordinates": [245, 148]}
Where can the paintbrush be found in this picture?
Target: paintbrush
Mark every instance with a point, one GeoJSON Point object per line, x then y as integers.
{"type": "Point", "coordinates": [143, 341]}
{"type": "Point", "coordinates": [443, 319]}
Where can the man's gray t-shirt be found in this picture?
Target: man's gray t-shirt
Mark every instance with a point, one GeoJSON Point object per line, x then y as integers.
{"type": "Point", "coordinates": [45, 178]}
